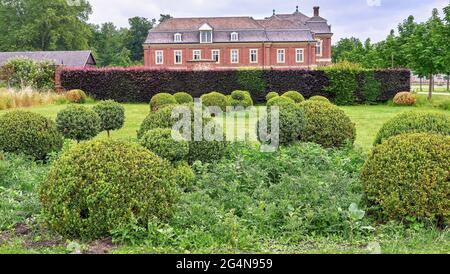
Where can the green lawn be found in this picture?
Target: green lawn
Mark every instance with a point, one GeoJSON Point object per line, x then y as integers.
{"type": "Point", "coordinates": [368, 119]}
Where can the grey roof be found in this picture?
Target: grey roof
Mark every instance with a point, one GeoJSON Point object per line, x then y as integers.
{"type": "Point", "coordinates": [66, 58]}
{"type": "Point", "coordinates": [295, 27]}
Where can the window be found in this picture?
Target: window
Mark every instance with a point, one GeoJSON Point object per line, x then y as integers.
{"type": "Point", "coordinates": [206, 36]}
{"type": "Point", "coordinates": [178, 57]}
{"type": "Point", "coordinates": [280, 56]}
{"type": "Point", "coordinates": [177, 38]}
{"type": "Point", "coordinates": [319, 48]}
{"type": "Point", "coordinates": [253, 56]}
{"type": "Point", "coordinates": [197, 55]}
{"type": "Point", "coordinates": [216, 55]}
{"type": "Point", "coordinates": [234, 56]}
{"type": "Point", "coordinates": [299, 55]}
{"type": "Point", "coordinates": [159, 57]}
{"type": "Point", "coordinates": [234, 36]}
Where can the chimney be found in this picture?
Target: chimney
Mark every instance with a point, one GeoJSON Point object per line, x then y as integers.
{"type": "Point", "coordinates": [316, 11]}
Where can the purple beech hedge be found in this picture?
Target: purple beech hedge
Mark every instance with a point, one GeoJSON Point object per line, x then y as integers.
{"type": "Point", "coordinates": [139, 84]}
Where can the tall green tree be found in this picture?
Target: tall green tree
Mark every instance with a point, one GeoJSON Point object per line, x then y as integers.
{"type": "Point", "coordinates": [425, 49]}
{"type": "Point", "coordinates": [44, 25]}
{"type": "Point", "coordinates": [446, 35]}
{"type": "Point", "coordinates": [109, 44]}
{"type": "Point", "coordinates": [136, 36]}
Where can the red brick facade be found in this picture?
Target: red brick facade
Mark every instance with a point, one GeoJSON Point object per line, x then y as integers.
{"type": "Point", "coordinates": [274, 41]}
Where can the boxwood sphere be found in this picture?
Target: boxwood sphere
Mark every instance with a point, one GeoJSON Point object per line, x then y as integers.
{"type": "Point", "coordinates": [215, 99]}
{"type": "Point", "coordinates": [291, 123]}
{"type": "Point", "coordinates": [240, 98]}
{"type": "Point", "coordinates": [112, 115]}
{"type": "Point", "coordinates": [271, 95]}
{"type": "Point", "coordinates": [100, 185]}
{"type": "Point", "coordinates": [76, 96]}
{"type": "Point", "coordinates": [326, 125]}
{"type": "Point", "coordinates": [405, 99]}
{"type": "Point", "coordinates": [160, 142]}
{"type": "Point", "coordinates": [204, 151]}
{"type": "Point", "coordinates": [294, 95]}
{"type": "Point", "coordinates": [183, 98]}
{"type": "Point", "coordinates": [162, 99]}
{"type": "Point", "coordinates": [319, 98]}
{"type": "Point", "coordinates": [78, 123]}
{"type": "Point", "coordinates": [408, 176]}
{"type": "Point", "coordinates": [28, 133]}
{"type": "Point", "coordinates": [280, 101]}
{"type": "Point", "coordinates": [414, 122]}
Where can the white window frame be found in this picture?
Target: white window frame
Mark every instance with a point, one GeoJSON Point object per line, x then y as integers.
{"type": "Point", "coordinates": [199, 51]}
{"type": "Point", "coordinates": [207, 41]}
{"type": "Point", "coordinates": [234, 37]}
{"type": "Point", "coordinates": [319, 48]}
{"type": "Point", "coordinates": [178, 38]}
{"type": "Point", "coordinates": [251, 52]}
{"type": "Point", "coordinates": [283, 52]}
{"type": "Point", "coordinates": [237, 56]}
{"type": "Point", "coordinates": [159, 53]}
{"type": "Point", "coordinates": [300, 52]}
{"type": "Point", "coordinates": [175, 53]}
{"type": "Point", "coordinates": [218, 55]}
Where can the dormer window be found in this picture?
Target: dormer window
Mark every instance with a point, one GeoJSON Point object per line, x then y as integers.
{"type": "Point", "coordinates": [177, 38]}
{"type": "Point", "coordinates": [234, 36]}
{"type": "Point", "coordinates": [206, 33]}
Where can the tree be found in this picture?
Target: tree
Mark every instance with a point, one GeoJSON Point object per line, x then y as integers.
{"type": "Point", "coordinates": [136, 36]}
{"type": "Point", "coordinates": [164, 17]}
{"type": "Point", "coordinates": [109, 45]}
{"type": "Point", "coordinates": [44, 25]}
{"type": "Point", "coordinates": [425, 49]}
{"type": "Point", "coordinates": [446, 34]}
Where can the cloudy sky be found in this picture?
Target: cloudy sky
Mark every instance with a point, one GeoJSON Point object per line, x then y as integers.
{"type": "Point", "coordinates": [359, 18]}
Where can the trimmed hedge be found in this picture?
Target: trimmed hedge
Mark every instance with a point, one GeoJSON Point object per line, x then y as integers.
{"type": "Point", "coordinates": [271, 95]}
{"type": "Point", "coordinates": [414, 122]}
{"type": "Point", "coordinates": [140, 84]}
{"type": "Point", "coordinates": [112, 115]}
{"type": "Point", "coordinates": [405, 98]}
{"type": "Point", "coordinates": [161, 100]}
{"type": "Point", "coordinates": [408, 176]}
{"type": "Point", "coordinates": [215, 99]}
{"type": "Point", "coordinates": [28, 133]}
{"type": "Point", "coordinates": [78, 123]}
{"type": "Point", "coordinates": [294, 95]}
{"type": "Point", "coordinates": [102, 185]}
{"type": "Point", "coordinates": [160, 142]}
{"type": "Point", "coordinates": [326, 125]}
{"type": "Point", "coordinates": [280, 101]}
{"type": "Point", "coordinates": [76, 96]}
{"type": "Point", "coordinates": [183, 98]}
{"type": "Point", "coordinates": [239, 98]}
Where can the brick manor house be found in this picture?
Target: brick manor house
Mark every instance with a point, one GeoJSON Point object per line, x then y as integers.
{"type": "Point", "coordinates": [280, 41]}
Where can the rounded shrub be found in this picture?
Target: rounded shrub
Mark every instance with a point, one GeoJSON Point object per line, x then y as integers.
{"type": "Point", "coordinates": [76, 96]}
{"type": "Point", "coordinates": [215, 99]}
{"type": "Point", "coordinates": [161, 100]}
{"type": "Point", "coordinates": [405, 99]}
{"type": "Point", "coordinates": [183, 98]}
{"type": "Point", "coordinates": [184, 175]}
{"type": "Point", "coordinates": [280, 101]}
{"type": "Point", "coordinates": [161, 118]}
{"type": "Point", "coordinates": [294, 95]}
{"type": "Point", "coordinates": [240, 98]}
{"type": "Point", "coordinates": [271, 95]}
{"type": "Point", "coordinates": [160, 142]}
{"type": "Point", "coordinates": [112, 115]}
{"type": "Point", "coordinates": [414, 122]}
{"type": "Point", "coordinates": [319, 98]}
{"type": "Point", "coordinates": [101, 185]}
{"type": "Point", "coordinates": [199, 150]}
{"type": "Point", "coordinates": [291, 124]}
{"type": "Point", "coordinates": [408, 176]}
{"type": "Point", "coordinates": [78, 123]}
{"type": "Point", "coordinates": [28, 133]}
{"type": "Point", "coordinates": [326, 125]}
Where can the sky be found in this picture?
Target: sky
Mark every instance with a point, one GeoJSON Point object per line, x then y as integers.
{"type": "Point", "coordinates": [358, 18]}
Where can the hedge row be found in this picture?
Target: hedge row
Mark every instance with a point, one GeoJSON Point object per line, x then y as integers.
{"type": "Point", "coordinates": [140, 84]}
